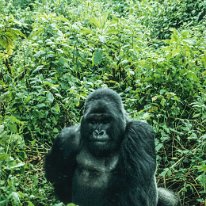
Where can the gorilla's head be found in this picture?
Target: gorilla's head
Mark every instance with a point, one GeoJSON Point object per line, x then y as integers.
{"type": "Point", "coordinates": [103, 123]}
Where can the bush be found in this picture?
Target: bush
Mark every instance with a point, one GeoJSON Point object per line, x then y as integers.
{"type": "Point", "coordinates": [54, 53]}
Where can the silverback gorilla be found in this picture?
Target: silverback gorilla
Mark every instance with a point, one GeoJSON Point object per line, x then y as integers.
{"type": "Point", "coordinates": [106, 160]}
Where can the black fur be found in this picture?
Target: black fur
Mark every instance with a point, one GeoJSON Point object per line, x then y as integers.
{"type": "Point", "coordinates": [107, 160]}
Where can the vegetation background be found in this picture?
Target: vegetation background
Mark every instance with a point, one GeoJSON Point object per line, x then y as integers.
{"type": "Point", "coordinates": [53, 53]}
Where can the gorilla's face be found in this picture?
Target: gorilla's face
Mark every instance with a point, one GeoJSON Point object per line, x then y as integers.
{"type": "Point", "coordinates": [102, 127]}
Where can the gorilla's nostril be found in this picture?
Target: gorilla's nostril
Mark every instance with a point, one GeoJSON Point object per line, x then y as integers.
{"type": "Point", "coordinates": [101, 133]}
{"type": "Point", "coordinates": [96, 132]}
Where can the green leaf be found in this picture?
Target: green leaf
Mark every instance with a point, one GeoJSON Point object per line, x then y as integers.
{"type": "Point", "coordinates": [30, 203]}
{"type": "Point", "coordinates": [42, 105]}
{"type": "Point", "coordinates": [50, 97]}
{"type": "Point", "coordinates": [56, 108]}
{"type": "Point", "coordinates": [4, 156]}
{"type": "Point", "coordinates": [15, 198]}
{"type": "Point", "coordinates": [97, 57]}
{"type": "Point", "coordinates": [20, 164]}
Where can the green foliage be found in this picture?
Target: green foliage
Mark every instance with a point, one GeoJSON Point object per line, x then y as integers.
{"type": "Point", "coordinates": [166, 14]}
{"type": "Point", "coordinates": [8, 35]}
{"type": "Point", "coordinates": [54, 53]}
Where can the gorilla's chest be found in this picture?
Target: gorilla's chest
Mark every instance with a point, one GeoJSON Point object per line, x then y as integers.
{"type": "Point", "coordinates": [91, 178]}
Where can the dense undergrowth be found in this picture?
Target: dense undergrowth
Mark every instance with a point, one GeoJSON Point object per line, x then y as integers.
{"type": "Point", "coordinates": [53, 53]}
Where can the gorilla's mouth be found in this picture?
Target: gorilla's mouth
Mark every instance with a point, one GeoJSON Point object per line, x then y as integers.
{"type": "Point", "coordinates": [99, 138]}
{"type": "Point", "coordinates": [99, 141]}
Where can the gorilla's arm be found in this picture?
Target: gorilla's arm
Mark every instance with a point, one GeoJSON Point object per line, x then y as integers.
{"type": "Point", "coordinates": [60, 162]}
{"type": "Point", "coordinates": [135, 183]}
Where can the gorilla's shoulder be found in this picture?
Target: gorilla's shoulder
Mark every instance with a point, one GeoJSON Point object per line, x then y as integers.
{"type": "Point", "coordinates": [136, 124]}
{"type": "Point", "coordinates": [139, 140]}
{"type": "Point", "coordinates": [139, 129]}
{"type": "Point", "coordinates": [69, 132]}
{"type": "Point", "coordinates": [69, 137]}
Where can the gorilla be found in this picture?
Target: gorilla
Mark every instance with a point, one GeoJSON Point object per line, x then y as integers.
{"type": "Point", "coordinates": [107, 159]}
